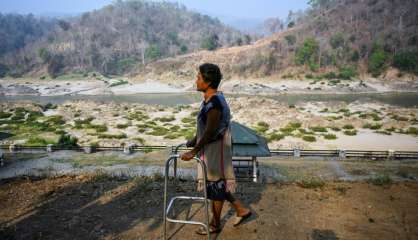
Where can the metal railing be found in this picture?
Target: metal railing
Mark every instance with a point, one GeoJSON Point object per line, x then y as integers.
{"type": "Point", "coordinates": [297, 153]}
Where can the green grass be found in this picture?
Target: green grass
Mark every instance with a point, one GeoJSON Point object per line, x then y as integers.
{"type": "Point", "coordinates": [312, 183]}
{"type": "Point", "coordinates": [38, 141]}
{"type": "Point", "coordinates": [122, 125]}
{"type": "Point", "coordinates": [261, 127]}
{"type": "Point", "coordinates": [381, 180]}
{"type": "Point", "coordinates": [350, 132]}
{"type": "Point", "coordinates": [112, 136]}
{"type": "Point", "coordinates": [275, 137]}
{"type": "Point", "coordinates": [159, 131]}
{"type": "Point", "coordinates": [412, 130]}
{"type": "Point", "coordinates": [309, 138]}
{"type": "Point", "coordinates": [330, 136]}
{"type": "Point", "coordinates": [372, 126]}
{"type": "Point", "coordinates": [165, 119]}
{"type": "Point", "coordinates": [348, 126]}
{"type": "Point", "coordinates": [318, 129]}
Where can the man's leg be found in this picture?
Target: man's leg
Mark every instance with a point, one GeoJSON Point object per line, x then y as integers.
{"type": "Point", "coordinates": [237, 205]}
{"type": "Point", "coordinates": [217, 210]}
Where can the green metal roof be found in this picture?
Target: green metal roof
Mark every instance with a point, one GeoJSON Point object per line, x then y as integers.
{"type": "Point", "coordinates": [247, 143]}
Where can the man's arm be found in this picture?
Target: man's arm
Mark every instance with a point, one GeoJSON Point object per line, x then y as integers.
{"type": "Point", "coordinates": [213, 121]}
{"type": "Point", "coordinates": [212, 124]}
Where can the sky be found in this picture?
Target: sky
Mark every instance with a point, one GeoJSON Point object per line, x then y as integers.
{"type": "Point", "coordinates": [250, 9]}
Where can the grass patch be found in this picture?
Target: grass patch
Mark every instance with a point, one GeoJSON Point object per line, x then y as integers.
{"type": "Point", "coordinates": [122, 125]}
{"type": "Point", "coordinates": [372, 126]}
{"type": "Point", "coordinates": [165, 119]}
{"type": "Point", "coordinates": [381, 180]}
{"type": "Point", "coordinates": [312, 183]}
{"type": "Point", "coordinates": [348, 126]}
{"type": "Point", "coordinates": [350, 132]}
{"type": "Point", "coordinates": [318, 129]}
{"type": "Point", "coordinates": [330, 136]}
{"type": "Point", "coordinates": [113, 136]}
{"type": "Point", "coordinates": [309, 138]}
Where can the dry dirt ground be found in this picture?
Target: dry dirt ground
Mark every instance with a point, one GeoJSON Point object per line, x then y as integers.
{"type": "Point", "coordinates": [101, 207]}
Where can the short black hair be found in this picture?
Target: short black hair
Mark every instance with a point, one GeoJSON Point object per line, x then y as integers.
{"type": "Point", "coordinates": [211, 74]}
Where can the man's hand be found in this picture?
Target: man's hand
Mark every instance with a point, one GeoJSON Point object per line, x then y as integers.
{"type": "Point", "coordinates": [187, 155]}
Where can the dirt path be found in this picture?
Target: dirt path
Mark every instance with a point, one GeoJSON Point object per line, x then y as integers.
{"type": "Point", "coordinates": [99, 207]}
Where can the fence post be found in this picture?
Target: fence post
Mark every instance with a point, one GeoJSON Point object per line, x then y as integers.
{"type": "Point", "coordinates": [49, 147]}
{"type": "Point", "coordinates": [12, 148]}
{"type": "Point", "coordinates": [391, 154]}
{"type": "Point", "coordinates": [342, 154]}
{"type": "Point", "coordinates": [296, 152]}
{"type": "Point", "coordinates": [127, 149]}
{"type": "Point", "coordinates": [88, 149]}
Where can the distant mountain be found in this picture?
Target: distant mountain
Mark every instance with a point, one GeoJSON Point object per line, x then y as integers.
{"type": "Point", "coordinates": [111, 40]}
{"type": "Point", "coordinates": [333, 39]}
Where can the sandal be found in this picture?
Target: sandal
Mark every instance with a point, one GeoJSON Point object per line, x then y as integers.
{"type": "Point", "coordinates": [240, 219]}
{"type": "Point", "coordinates": [212, 229]}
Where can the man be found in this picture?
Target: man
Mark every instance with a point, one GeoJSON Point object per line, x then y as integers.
{"type": "Point", "coordinates": [212, 144]}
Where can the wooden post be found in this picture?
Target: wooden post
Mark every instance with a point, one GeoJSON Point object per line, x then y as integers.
{"type": "Point", "coordinates": [255, 163]}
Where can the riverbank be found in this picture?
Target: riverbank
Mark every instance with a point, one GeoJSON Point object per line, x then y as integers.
{"type": "Point", "coordinates": [357, 125]}
{"type": "Point", "coordinates": [92, 86]}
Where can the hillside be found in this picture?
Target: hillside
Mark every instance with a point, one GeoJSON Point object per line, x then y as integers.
{"type": "Point", "coordinates": [334, 39]}
{"type": "Point", "coordinates": [111, 40]}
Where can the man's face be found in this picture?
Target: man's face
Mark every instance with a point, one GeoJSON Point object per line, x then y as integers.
{"type": "Point", "coordinates": [201, 85]}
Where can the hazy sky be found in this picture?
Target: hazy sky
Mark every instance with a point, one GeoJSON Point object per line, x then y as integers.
{"type": "Point", "coordinates": [258, 9]}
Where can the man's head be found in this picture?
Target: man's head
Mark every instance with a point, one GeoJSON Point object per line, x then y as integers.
{"type": "Point", "coordinates": [209, 76]}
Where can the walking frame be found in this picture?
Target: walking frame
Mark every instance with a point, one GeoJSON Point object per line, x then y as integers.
{"type": "Point", "coordinates": [173, 159]}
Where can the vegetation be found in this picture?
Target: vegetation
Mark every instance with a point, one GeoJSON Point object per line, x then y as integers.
{"type": "Point", "coordinates": [407, 61]}
{"type": "Point", "coordinates": [377, 60]}
{"type": "Point", "coordinates": [308, 53]}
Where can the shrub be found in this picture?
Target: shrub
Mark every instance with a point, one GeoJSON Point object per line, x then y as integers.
{"type": "Point", "coordinates": [348, 126]}
{"type": "Point", "coordinates": [330, 136]}
{"type": "Point", "coordinates": [122, 125]}
{"type": "Point", "coordinates": [381, 180]}
{"type": "Point", "coordinates": [66, 140]}
{"type": "Point", "coordinates": [309, 138]}
{"type": "Point", "coordinates": [377, 60]}
{"type": "Point", "coordinates": [294, 124]}
{"type": "Point", "coordinates": [113, 136]}
{"type": "Point", "coordinates": [412, 130]}
{"type": "Point", "coordinates": [406, 61]}
{"type": "Point", "coordinates": [98, 128]}
{"type": "Point", "coordinates": [337, 40]}
{"type": "Point", "coordinates": [291, 39]}
{"type": "Point", "coordinates": [347, 72]}
{"type": "Point", "coordinates": [318, 129]}
{"type": "Point", "coordinates": [307, 53]}
{"type": "Point", "coordinates": [262, 127]}
{"type": "Point", "coordinates": [312, 183]}
{"type": "Point", "coordinates": [275, 137]}
{"type": "Point", "coordinates": [350, 133]}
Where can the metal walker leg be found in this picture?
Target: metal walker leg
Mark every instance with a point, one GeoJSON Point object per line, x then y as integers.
{"type": "Point", "coordinates": [171, 159]}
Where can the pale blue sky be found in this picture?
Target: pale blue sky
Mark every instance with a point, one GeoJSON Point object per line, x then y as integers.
{"type": "Point", "coordinates": [257, 9]}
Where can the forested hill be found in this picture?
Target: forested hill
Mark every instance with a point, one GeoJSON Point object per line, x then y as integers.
{"type": "Point", "coordinates": [111, 40]}
{"type": "Point", "coordinates": [333, 39]}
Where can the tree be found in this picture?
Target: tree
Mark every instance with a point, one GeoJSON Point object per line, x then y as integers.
{"type": "Point", "coordinates": [308, 53]}
{"type": "Point", "coordinates": [377, 60]}
{"type": "Point", "coordinates": [407, 61]}
{"type": "Point", "coordinates": [211, 43]}
{"type": "Point", "coordinates": [153, 52]}
{"type": "Point", "coordinates": [337, 40]}
{"type": "Point", "coordinates": [291, 39]}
